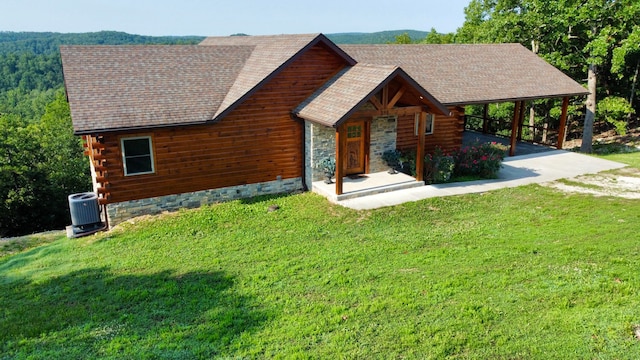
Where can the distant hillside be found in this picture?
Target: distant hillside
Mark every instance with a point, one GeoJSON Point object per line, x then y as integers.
{"type": "Point", "coordinates": [48, 42]}
{"type": "Point", "coordinates": [381, 37]}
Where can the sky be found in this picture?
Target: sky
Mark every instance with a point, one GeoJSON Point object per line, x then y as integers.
{"type": "Point", "coordinates": [226, 17]}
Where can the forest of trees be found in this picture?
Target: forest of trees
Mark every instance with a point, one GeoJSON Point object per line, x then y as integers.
{"type": "Point", "coordinates": [41, 161]}
{"type": "Point", "coordinates": [596, 42]}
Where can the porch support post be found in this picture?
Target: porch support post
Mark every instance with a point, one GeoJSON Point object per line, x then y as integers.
{"type": "Point", "coordinates": [514, 128]}
{"type": "Point", "coordinates": [485, 116]}
{"type": "Point", "coordinates": [422, 123]}
{"type": "Point", "coordinates": [340, 139]}
{"type": "Point", "coordinates": [521, 120]}
{"type": "Point", "coordinates": [563, 122]}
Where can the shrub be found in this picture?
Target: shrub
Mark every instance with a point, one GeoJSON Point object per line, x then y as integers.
{"type": "Point", "coordinates": [438, 167]}
{"type": "Point", "coordinates": [327, 165]}
{"type": "Point", "coordinates": [392, 158]}
{"type": "Point", "coordinates": [480, 160]}
{"type": "Point", "coordinates": [403, 161]}
{"type": "Point", "coordinates": [483, 160]}
{"type": "Point", "coordinates": [615, 110]}
{"type": "Point", "coordinates": [408, 162]}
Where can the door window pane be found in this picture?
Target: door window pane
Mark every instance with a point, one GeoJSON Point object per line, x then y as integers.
{"type": "Point", "coordinates": [354, 131]}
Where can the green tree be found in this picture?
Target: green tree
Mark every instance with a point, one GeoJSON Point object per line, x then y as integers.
{"type": "Point", "coordinates": [403, 38]}
{"type": "Point", "coordinates": [29, 105]}
{"type": "Point", "coordinates": [624, 58]}
{"type": "Point", "coordinates": [615, 110]}
{"type": "Point", "coordinates": [434, 37]}
{"type": "Point", "coordinates": [41, 161]}
{"type": "Point", "coordinates": [20, 177]}
{"type": "Point", "coordinates": [66, 166]}
{"type": "Point", "coordinates": [40, 165]}
{"type": "Point", "coordinates": [581, 37]}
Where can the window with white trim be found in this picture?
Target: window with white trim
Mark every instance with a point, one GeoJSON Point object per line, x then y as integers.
{"type": "Point", "coordinates": [428, 129]}
{"type": "Point", "coordinates": [137, 155]}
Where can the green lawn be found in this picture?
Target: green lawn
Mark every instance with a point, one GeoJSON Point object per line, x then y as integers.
{"type": "Point", "coordinates": [625, 154]}
{"type": "Point", "coordinates": [523, 273]}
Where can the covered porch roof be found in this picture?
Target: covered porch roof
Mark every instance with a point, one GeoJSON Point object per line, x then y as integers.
{"type": "Point", "coordinates": [465, 74]}
{"type": "Point", "coordinates": [353, 86]}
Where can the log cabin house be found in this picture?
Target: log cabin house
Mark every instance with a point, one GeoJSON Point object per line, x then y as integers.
{"type": "Point", "coordinates": [175, 126]}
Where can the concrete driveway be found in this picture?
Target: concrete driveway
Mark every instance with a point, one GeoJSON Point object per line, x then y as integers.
{"type": "Point", "coordinates": [517, 170]}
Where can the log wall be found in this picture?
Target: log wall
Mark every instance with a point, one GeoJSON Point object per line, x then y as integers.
{"type": "Point", "coordinates": [257, 142]}
{"type": "Point", "coordinates": [447, 132]}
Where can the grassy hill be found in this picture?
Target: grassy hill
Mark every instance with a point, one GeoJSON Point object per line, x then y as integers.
{"type": "Point", "coordinates": [514, 273]}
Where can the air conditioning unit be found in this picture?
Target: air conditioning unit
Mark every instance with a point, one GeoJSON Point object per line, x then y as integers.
{"type": "Point", "coordinates": [85, 214]}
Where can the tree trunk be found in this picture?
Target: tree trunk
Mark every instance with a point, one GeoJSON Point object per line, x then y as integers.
{"type": "Point", "coordinates": [587, 133]}
{"type": "Point", "coordinates": [633, 84]}
{"type": "Point", "coordinates": [535, 47]}
{"type": "Point", "coordinates": [532, 115]}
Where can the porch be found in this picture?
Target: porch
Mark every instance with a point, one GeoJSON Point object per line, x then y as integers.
{"type": "Point", "coordinates": [521, 170]}
{"type": "Point", "coordinates": [383, 182]}
{"type": "Point", "coordinates": [365, 185]}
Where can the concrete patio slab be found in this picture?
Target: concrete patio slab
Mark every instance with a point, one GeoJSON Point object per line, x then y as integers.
{"type": "Point", "coordinates": [366, 184]}
{"type": "Point", "coordinates": [517, 170]}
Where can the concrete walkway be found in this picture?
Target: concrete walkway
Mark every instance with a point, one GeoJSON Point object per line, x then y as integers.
{"type": "Point", "coordinates": [517, 170]}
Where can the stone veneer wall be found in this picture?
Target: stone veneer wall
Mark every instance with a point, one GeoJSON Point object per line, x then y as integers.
{"type": "Point", "coordinates": [119, 212]}
{"type": "Point", "coordinates": [320, 143]}
{"type": "Point", "coordinates": [383, 138]}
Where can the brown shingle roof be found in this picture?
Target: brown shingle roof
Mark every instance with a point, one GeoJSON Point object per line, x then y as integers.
{"type": "Point", "coordinates": [348, 90]}
{"type": "Point", "coordinates": [475, 73]}
{"type": "Point", "coordinates": [128, 87]}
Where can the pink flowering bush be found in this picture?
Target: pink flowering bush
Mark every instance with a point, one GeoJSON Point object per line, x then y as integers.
{"type": "Point", "coordinates": [438, 167]}
{"type": "Point", "coordinates": [483, 160]}
{"type": "Point", "coordinates": [475, 161]}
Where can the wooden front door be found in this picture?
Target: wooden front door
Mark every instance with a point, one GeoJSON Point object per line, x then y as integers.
{"type": "Point", "coordinates": [355, 151]}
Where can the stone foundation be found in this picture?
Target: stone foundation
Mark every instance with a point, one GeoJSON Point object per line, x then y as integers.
{"type": "Point", "coordinates": [119, 212]}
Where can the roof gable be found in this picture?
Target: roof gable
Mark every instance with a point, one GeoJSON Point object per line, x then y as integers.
{"type": "Point", "coordinates": [271, 54]}
{"type": "Point", "coordinates": [130, 87]}
{"type": "Point", "coordinates": [343, 94]}
{"type": "Point", "coordinates": [459, 74]}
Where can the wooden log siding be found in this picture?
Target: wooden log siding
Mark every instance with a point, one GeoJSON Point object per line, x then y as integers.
{"type": "Point", "coordinates": [97, 152]}
{"type": "Point", "coordinates": [447, 132]}
{"type": "Point", "coordinates": [256, 142]}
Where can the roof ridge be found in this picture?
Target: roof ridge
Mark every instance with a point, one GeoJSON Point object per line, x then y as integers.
{"type": "Point", "coordinates": [380, 66]}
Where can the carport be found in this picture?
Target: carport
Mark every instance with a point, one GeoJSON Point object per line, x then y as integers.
{"type": "Point", "coordinates": [479, 74]}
